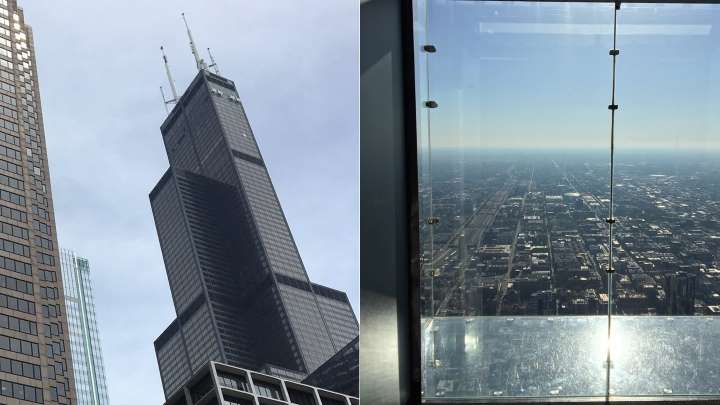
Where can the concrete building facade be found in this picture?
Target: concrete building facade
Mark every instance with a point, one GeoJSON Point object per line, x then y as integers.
{"type": "Point", "coordinates": [217, 383]}
{"type": "Point", "coordinates": [35, 360]}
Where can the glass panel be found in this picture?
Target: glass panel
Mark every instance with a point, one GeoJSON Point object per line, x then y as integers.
{"type": "Point", "coordinates": [668, 198]}
{"type": "Point", "coordinates": [514, 187]}
{"type": "Point", "coordinates": [563, 356]}
{"type": "Point", "coordinates": [520, 92]}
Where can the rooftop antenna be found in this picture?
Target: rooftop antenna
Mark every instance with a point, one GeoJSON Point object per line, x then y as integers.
{"type": "Point", "coordinates": [165, 103]}
{"type": "Point", "coordinates": [214, 64]}
{"type": "Point", "coordinates": [170, 79]}
{"type": "Point", "coordinates": [201, 65]}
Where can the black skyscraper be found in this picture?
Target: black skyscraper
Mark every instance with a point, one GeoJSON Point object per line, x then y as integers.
{"type": "Point", "coordinates": [680, 293]}
{"type": "Point", "coordinates": [341, 372]}
{"type": "Point", "coordinates": [240, 289]}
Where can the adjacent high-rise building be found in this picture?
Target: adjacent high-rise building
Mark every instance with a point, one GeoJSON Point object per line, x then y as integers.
{"type": "Point", "coordinates": [542, 303]}
{"type": "Point", "coordinates": [88, 365]}
{"type": "Point", "coordinates": [341, 373]}
{"type": "Point", "coordinates": [217, 383]}
{"type": "Point", "coordinates": [680, 293]}
{"type": "Point", "coordinates": [240, 289]}
{"type": "Point", "coordinates": [35, 362]}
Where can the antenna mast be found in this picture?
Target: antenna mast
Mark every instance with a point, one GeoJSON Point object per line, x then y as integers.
{"type": "Point", "coordinates": [170, 79]}
{"type": "Point", "coordinates": [214, 64]}
{"type": "Point", "coordinates": [201, 65]}
{"type": "Point", "coordinates": [165, 103]}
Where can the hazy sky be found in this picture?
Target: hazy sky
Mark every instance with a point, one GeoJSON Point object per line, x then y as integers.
{"type": "Point", "coordinates": [295, 65]}
{"type": "Point", "coordinates": [539, 75]}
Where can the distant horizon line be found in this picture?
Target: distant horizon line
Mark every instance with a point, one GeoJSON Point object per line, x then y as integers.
{"type": "Point", "coordinates": [702, 149]}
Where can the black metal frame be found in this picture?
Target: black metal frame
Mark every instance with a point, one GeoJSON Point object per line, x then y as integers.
{"type": "Point", "coordinates": [414, 346]}
{"type": "Point", "coordinates": [689, 400]}
{"type": "Point", "coordinates": [388, 163]}
{"type": "Point", "coordinates": [601, 1]}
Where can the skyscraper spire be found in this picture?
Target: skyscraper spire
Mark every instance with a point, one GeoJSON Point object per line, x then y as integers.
{"type": "Point", "coordinates": [213, 64]}
{"type": "Point", "coordinates": [165, 103]}
{"type": "Point", "coordinates": [170, 79]}
{"type": "Point", "coordinates": [201, 65]}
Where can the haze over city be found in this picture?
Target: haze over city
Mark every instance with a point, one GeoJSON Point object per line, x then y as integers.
{"type": "Point", "coordinates": [512, 75]}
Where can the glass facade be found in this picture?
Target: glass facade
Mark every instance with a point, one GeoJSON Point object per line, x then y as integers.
{"type": "Point", "coordinates": [569, 220]}
{"type": "Point", "coordinates": [85, 344]}
{"type": "Point", "coordinates": [341, 372]}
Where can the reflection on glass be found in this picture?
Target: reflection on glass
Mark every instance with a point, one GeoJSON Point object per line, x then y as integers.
{"type": "Point", "coordinates": [514, 148]}
{"type": "Point", "coordinates": [564, 356]}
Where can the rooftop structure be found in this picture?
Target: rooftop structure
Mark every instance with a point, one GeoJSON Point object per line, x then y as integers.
{"type": "Point", "coordinates": [217, 383]}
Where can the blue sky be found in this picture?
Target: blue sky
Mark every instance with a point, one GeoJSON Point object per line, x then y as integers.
{"type": "Point", "coordinates": [528, 75]}
{"type": "Point", "coordinates": [296, 68]}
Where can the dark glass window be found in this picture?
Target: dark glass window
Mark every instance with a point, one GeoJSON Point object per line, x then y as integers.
{"type": "Point", "coordinates": [330, 401]}
{"type": "Point", "coordinates": [301, 397]}
{"type": "Point", "coordinates": [268, 390]}
{"type": "Point", "coordinates": [233, 381]}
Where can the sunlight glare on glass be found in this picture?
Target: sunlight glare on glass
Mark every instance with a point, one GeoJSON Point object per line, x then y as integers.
{"type": "Point", "coordinates": [619, 343]}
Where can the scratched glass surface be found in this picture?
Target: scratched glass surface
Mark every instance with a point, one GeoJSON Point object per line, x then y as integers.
{"type": "Point", "coordinates": [565, 356]}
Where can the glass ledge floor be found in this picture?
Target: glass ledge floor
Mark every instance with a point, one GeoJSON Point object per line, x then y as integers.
{"type": "Point", "coordinates": [563, 357]}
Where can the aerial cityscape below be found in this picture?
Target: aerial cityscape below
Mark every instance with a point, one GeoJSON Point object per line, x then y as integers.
{"type": "Point", "coordinates": [520, 233]}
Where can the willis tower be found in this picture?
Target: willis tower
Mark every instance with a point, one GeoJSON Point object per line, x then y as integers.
{"type": "Point", "coordinates": [240, 290]}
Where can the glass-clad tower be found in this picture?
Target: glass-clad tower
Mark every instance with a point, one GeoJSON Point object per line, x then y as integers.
{"type": "Point", "coordinates": [88, 365]}
{"type": "Point", "coordinates": [35, 361]}
{"type": "Point", "coordinates": [240, 289]}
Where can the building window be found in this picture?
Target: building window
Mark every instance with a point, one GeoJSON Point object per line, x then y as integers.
{"type": "Point", "coordinates": [301, 397]}
{"type": "Point", "coordinates": [233, 381]}
{"type": "Point", "coordinates": [268, 390]}
{"type": "Point", "coordinates": [567, 190]}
